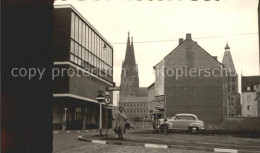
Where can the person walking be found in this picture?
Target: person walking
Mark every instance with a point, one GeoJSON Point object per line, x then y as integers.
{"type": "Point", "coordinates": [120, 122]}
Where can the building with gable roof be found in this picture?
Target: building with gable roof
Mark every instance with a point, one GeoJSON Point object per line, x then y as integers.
{"type": "Point", "coordinates": [192, 81]}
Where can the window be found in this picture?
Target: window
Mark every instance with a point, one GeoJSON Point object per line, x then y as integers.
{"type": "Point", "coordinates": [87, 38]}
{"type": "Point", "coordinates": [248, 97]}
{"type": "Point", "coordinates": [248, 107]}
{"type": "Point", "coordinates": [76, 49]}
{"type": "Point", "coordinates": [72, 25]}
{"type": "Point", "coordinates": [80, 31]}
{"type": "Point", "coordinates": [248, 88]}
{"type": "Point", "coordinates": [90, 41]}
{"type": "Point", "coordinates": [180, 117]}
{"type": "Point", "coordinates": [76, 28]}
{"type": "Point", "coordinates": [191, 118]}
{"type": "Point", "coordinates": [83, 35]}
{"type": "Point", "coordinates": [72, 46]}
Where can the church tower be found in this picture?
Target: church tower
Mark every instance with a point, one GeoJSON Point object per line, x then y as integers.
{"type": "Point", "coordinates": [129, 73]}
{"type": "Point", "coordinates": [233, 99]}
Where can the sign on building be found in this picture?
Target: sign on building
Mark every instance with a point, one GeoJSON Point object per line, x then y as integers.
{"type": "Point", "coordinates": [160, 102]}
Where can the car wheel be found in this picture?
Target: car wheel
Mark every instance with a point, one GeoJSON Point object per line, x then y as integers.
{"type": "Point", "coordinates": [194, 129]}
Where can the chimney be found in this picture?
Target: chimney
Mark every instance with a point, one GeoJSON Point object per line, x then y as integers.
{"type": "Point", "coordinates": [188, 36]}
{"type": "Point", "coordinates": [216, 57]}
{"type": "Point", "coordinates": [180, 40]}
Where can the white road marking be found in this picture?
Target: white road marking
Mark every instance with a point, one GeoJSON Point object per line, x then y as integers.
{"type": "Point", "coordinates": [225, 150]}
{"type": "Point", "coordinates": [86, 130]}
{"type": "Point", "coordinates": [55, 132]}
{"type": "Point", "coordinates": [80, 137]}
{"type": "Point", "coordinates": [78, 131]}
{"type": "Point", "coordinates": [99, 141]}
{"type": "Point", "coordinates": [68, 131]}
{"type": "Point", "coordinates": [147, 145]}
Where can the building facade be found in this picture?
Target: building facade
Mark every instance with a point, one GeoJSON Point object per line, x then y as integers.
{"type": "Point", "coordinates": [135, 108]}
{"type": "Point", "coordinates": [83, 62]}
{"type": "Point", "coordinates": [249, 96]}
{"type": "Point", "coordinates": [233, 98]}
{"type": "Point", "coordinates": [192, 82]}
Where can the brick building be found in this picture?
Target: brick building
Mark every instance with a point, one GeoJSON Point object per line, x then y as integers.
{"type": "Point", "coordinates": [249, 96]}
{"type": "Point", "coordinates": [83, 60]}
{"type": "Point", "coordinates": [233, 97]}
{"type": "Point", "coordinates": [200, 89]}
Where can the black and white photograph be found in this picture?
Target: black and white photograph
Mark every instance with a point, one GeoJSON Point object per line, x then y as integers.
{"type": "Point", "coordinates": [130, 76]}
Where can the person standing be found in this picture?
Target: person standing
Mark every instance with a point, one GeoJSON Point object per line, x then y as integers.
{"type": "Point", "coordinates": [120, 122]}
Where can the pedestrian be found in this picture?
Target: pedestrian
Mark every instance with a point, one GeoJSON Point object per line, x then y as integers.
{"type": "Point", "coordinates": [120, 122]}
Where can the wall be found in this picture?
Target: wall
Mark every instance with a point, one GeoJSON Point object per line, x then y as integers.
{"type": "Point", "coordinates": [252, 102]}
{"type": "Point", "coordinates": [143, 125]}
{"type": "Point", "coordinates": [200, 96]}
{"type": "Point", "coordinates": [241, 123]}
{"type": "Point", "coordinates": [159, 78]}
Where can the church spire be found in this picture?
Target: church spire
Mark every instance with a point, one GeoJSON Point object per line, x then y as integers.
{"type": "Point", "coordinates": [227, 47]}
{"type": "Point", "coordinates": [128, 40]}
{"type": "Point", "coordinates": [227, 60]}
{"type": "Point", "coordinates": [130, 55]}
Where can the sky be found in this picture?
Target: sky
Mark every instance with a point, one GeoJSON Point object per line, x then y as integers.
{"type": "Point", "coordinates": [211, 23]}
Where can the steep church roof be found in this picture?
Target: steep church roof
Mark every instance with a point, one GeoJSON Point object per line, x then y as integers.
{"type": "Point", "coordinates": [130, 55]}
{"type": "Point", "coordinates": [228, 61]}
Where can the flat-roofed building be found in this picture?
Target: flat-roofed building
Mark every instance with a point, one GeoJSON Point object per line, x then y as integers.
{"type": "Point", "coordinates": [83, 61]}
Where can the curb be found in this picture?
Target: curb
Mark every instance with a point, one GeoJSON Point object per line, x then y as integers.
{"type": "Point", "coordinates": [149, 145]}
{"type": "Point", "coordinates": [76, 131]}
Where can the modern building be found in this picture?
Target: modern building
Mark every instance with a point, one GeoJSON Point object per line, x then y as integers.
{"type": "Point", "coordinates": [249, 96]}
{"type": "Point", "coordinates": [83, 62]}
{"type": "Point", "coordinates": [192, 81]}
{"type": "Point", "coordinates": [233, 98]}
{"type": "Point", "coordinates": [135, 108]}
{"type": "Point", "coordinates": [129, 75]}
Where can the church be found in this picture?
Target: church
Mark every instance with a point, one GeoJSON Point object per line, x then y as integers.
{"type": "Point", "coordinates": [132, 97]}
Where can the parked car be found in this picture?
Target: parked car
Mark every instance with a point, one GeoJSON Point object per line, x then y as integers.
{"type": "Point", "coordinates": [189, 122]}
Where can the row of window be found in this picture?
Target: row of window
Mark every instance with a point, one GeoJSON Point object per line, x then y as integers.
{"type": "Point", "coordinates": [136, 111]}
{"type": "Point", "coordinates": [248, 88]}
{"type": "Point", "coordinates": [81, 56]}
{"type": "Point", "coordinates": [135, 105]}
{"type": "Point", "coordinates": [89, 40]}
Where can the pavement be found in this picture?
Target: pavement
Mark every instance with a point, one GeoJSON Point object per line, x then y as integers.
{"type": "Point", "coordinates": [140, 141]}
{"type": "Point", "coordinates": [183, 141]}
{"type": "Point", "coordinates": [64, 142]}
